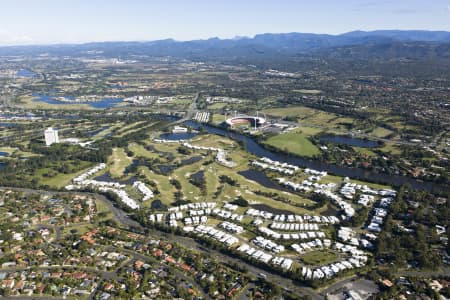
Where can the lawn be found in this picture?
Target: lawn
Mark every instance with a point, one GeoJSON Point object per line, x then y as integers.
{"type": "Point", "coordinates": [28, 102]}
{"type": "Point", "coordinates": [139, 150]}
{"type": "Point", "coordinates": [295, 143]}
{"type": "Point", "coordinates": [217, 106]}
{"type": "Point", "coordinates": [380, 132]}
{"type": "Point", "coordinates": [103, 208]}
{"type": "Point", "coordinates": [163, 184]}
{"type": "Point", "coordinates": [391, 148]}
{"type": "Point", "coordinates": [60, 180]}
{"type": "Point", "coordinates": [365, 151]}
{"type": "Point", "coordinates": [217, 118]}
{"type": "Point", "coordinates": [319, 257]}
{"type": "Point", "coordinates": [118, 162]}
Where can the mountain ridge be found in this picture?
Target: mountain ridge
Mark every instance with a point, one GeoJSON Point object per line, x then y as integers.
{"type": "Point", "coordinates": [425, 44]}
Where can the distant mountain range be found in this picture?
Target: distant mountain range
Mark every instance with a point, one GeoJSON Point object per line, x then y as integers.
{"type": "Point", "coordinates": [380, 44]}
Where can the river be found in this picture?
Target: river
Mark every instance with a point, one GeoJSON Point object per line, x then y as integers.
{"type": "Point", "coordinates": [256, 149]}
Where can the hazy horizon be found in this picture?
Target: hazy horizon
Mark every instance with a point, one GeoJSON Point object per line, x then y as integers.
{"type": "Point", "coordinates": [27, 22]}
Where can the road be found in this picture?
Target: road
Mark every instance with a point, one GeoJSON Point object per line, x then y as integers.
{"type": "Point", "coordinates": [148, 259]}
{"type": "Point", "coordinates": [190, 111]}
{"type": "Point", "coordinates": [271, 276]}
{"type": "Point", "coordinates": [428, 274]}
{"type": "Point", "coordinates": [126, 222]}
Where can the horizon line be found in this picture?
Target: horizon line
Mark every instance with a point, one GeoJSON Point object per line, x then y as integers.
{"type": "Point", "coordinates": [236, 37]}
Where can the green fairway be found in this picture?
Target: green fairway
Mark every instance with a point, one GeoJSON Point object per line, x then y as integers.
{"type": "Point", "coordinates": [380, 132]}
{"type": "Point", "coordinates": [60, 180]}
{"type": "Point", "coordinates": [118, 161]}
{"type": "Point", "coordinates": [296, 143]}
{"type": "Point", "coordinates": [139, 150]}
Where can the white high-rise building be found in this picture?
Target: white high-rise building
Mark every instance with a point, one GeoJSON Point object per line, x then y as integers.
{"type": "Point", "coordinates": [51, 136]}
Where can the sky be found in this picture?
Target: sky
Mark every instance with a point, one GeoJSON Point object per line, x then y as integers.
{"type": "Point", "coordinates": [78, 21]}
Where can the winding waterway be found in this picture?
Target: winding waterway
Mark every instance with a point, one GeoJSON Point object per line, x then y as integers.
{"type": "Point", "coordinates": [256, 149]}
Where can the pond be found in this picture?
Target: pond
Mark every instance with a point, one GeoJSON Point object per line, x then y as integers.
{"type": "Point", "coordinates": [198, 177]}
{"type": "Point", "coordinates": [102, 104]}
{"type": "Point", "coordinates": [350, 141]}
{"type": "Point", "coordinates": [356, 173]}
{"type": "Point", "coordinates": [4, 154]}
{"type": "Point", "coordinates": [97, 131]}
{"type": "Point", "coordinates": [166, 169]}
{"type": "Point", "coordinates": [107, 178]}
{"type": "Point", "coordinates": [178, 136]}
{"type": "Point", "coordinates": [262, 179]}
{"type": "Point", "coordinates": [191, 160]}
{"type": "Point", "coordinates": [158, 205]}
{"type": "Point", "coordinates": [25, 73]}
{"type": "Point", "coordinates": [2, 124]}
{"type": "Point", "coordinates": [270, 209]}
{"type": "Point", "coordinates": [330, 211]}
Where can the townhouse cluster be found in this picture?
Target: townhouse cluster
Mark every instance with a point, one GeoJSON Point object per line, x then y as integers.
{"type": "Point", "coordinates": [231, 227]}
{"type": "Point", "coordinates": [348, 235]}
{"type": "Point", "coordinates": [357, 259]}
{"type": "Point", "coordinates": [261, 256]}
{"type": "Point", "coordinates": [227, 215]}
{"type": "Point", "coordinates": [82, 181]}
{"type": "Point", "coordinates": [380, 212]}
{"type": "Point", "coordinates": [306, 185]}
{"type": "Point", "coordinates": [256, 213]}
{"type": "Point", "coordinates": [268, 244]}
{"type": "Point", "coordinates": [143, 189]}
{"type": "Point", "coordinates": [348, 190]}
{"type": "Point", "coordinates": [276, 166]}
{"type": "Point", "coordinates": [202, 117]}
{"type": "Point", "coordinates": [190, 214]}
{"type": "Point", "coordinates": [216, 234]}
{"type": "Point", "coordinates": [315, 175]}
{"type": "Point", "coordinates": [89, 173]}
{"type": "Point", "coordinates": [221, 155]}
{"type": "Point", "coordinates": [193, 206]}
{"type": "Point", "coordinates": [305, 235]}
{"type": "Point", "coordinates": [311, 245]}
{"type": "Point", "coordinates": [295, 226]}
{"type": "Point", "coordinates": [346, 208]}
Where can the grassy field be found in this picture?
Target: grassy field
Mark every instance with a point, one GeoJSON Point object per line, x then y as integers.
{"type": "Point", "coordinates": [212, 172]}
{"type": "Point", "coordinates": [391, 148]}
{"type": "Point", "coordinates": [365, 151]}
{"type": "Point", "coordinates": [28, 102]}
{"type": "Point", "coordinates": [319, 257]}
{"type": "Point", "coordinates": [125, 128]}
{"type": "Point", "coordinates": [217, 118]}
{"type": "Point", "coordinates": [60, 180]}
{"type": "Point", "coordinates": [217, 106]}
{"type": "Point", "coordinates": [139, 150]}
{"type": "Point", "coordinates": [103, 133]}
{"type": "Point", "coordinates": [296, 143]}
{"type": "Point", "coordinates": [163, 184]}
{"type": "Point", "coordinates": [380, 132]}
{"type": "Point", "coordinates": [15, 152]}
{"type": "Point", "coordinates": [118, 161]}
